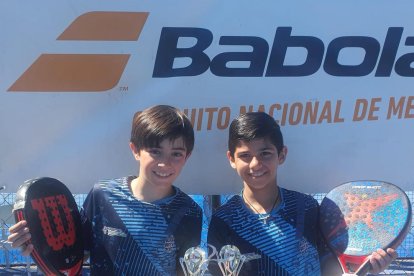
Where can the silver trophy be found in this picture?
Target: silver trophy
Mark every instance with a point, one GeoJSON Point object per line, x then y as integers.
{"type": "Point", "coordinates": [195, 261]}
{"type": "Point", "coordinates": [230, 260]}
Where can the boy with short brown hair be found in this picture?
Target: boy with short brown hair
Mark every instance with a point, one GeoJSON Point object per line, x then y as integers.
{"type": "Point", "coordinates": [278, 224]}
{"type": "Point", "coordinates": [141, 225]}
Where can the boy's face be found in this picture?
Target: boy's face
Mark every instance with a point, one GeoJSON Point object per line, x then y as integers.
{"type": "Point", "coordinates": [161, 165]}
{"type": "Point", "coordinates": [256, 162]}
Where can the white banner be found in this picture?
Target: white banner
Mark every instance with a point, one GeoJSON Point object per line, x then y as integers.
{"type": "Point", "coordinates": [336, 75]}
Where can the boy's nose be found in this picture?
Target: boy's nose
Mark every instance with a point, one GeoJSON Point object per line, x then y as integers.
{"type": "Point", "coordinates": [164, 162]}
{"type": "Point", "coordinates": [254, 162]}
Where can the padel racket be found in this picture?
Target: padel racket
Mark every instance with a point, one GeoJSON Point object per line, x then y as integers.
{"type": "Point", "coordinates": [358, 217]}
{"type": "Point", "coordinates": [55, 225]}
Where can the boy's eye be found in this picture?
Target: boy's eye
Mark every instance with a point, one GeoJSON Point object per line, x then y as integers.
{"type": "Point", "coordinates": [267, 153]}
{"type": "Point", "coordinates": [154, 151]}
{"type": "Point", "coordinates": [243, 155]}
{"type": "Point", "coordinates": [178, 154]}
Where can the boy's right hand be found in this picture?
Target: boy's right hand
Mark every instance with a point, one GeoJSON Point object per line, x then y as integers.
{"type": "Point", "coordinates": [19, 235]}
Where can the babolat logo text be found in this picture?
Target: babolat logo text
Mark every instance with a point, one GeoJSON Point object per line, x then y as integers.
{"type": "Point", "coordinates": [380, 58]}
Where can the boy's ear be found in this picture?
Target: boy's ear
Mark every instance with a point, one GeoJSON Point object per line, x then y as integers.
{"type": "Point", "coordinates": [282, 155]}
{"type": "Point", "coordinates": [134, 151]}
{"type": "Point", "coordinates": [231, 160]}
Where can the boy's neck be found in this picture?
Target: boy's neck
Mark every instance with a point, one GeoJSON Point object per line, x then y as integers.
{"type": "Point", "coordinates": [261, 198]}
{"type": "Point", "coordinates": [147, 192]}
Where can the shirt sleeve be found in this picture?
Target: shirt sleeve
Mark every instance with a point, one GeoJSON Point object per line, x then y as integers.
{"type": "Point", "coordinates": [86, 218]}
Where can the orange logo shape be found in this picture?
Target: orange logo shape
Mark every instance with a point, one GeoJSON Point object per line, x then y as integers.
{"type": "Point", "coordinates": [107, 26]}
{"type": "Point", "coordinates": [84, 72]}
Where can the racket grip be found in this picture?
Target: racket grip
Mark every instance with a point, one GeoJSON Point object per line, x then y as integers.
{"type": "Point", "coordinates": [364, 269]}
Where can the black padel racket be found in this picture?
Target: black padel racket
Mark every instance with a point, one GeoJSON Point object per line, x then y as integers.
{"type": "Point", "coordinates": [357, 218]}
{"type": "Point", "coordinates": [55, 225]}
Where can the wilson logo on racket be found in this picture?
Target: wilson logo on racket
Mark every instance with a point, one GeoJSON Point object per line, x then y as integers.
{"type": "Point", "coordinates": [68, 72]}
{"type": "Point", "coordinates": [60, 231]}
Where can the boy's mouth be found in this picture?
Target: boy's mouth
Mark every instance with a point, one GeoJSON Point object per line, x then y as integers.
{"type": "Point", "coordinates": [160, 174]}
{"type": "Point", "coordinates": [256, 174]}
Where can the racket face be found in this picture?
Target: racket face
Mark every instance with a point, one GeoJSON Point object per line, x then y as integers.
{"type": "Point", "coordinates": [55, 225]}
{"type": "Point", "coordinates": [357, 218]}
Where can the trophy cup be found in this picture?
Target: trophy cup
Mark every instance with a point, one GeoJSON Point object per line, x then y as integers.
{"type": "Point", "coordinates": [230, 260]}
{"type": "Point", "coordinates": [195, 261]}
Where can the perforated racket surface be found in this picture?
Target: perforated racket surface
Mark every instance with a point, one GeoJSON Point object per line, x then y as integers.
{"type": "Point", "coordinates": [54, 223]}
{"type": "Point", "coordinates": [357, 218]}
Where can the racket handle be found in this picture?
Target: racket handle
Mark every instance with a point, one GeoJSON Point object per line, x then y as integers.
{"type": "Point", "coordinates": [364, 269]}
{"type": "Point", "coordinates": [361, 272]}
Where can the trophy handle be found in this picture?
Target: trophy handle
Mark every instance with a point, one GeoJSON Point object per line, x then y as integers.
{"type": "Point", "coordinates": [242, 260]}
{"type": "Point", "coordinates": [183, 267]}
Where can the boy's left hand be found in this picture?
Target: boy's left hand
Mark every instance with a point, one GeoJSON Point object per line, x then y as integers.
{"type": "Point", "coordinates": [381, 259]}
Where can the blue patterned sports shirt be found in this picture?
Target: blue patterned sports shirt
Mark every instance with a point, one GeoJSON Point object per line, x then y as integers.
{"type": "Point", "coordinates": [287, 242]}
{"type": "Point", "coordinates": [126, 236]}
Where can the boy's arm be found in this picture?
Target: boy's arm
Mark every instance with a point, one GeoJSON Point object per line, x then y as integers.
{"type": "Point", "coordinates": [328, 261]}
{"type": "Point", "coordinates": [218, 236]}
{"type": "Point", "coordinates": [86, 233]}
{"type": "Point", "coordinates": [86, 216]}
{"type": "Point", "coordinates": [188, 233]}
{"type": "Point", "coordinates": [217, 233]}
